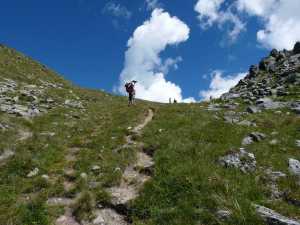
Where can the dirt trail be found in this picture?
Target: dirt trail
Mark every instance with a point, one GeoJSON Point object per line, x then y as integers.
{"type": "Point", "coordinates": [133, 178]}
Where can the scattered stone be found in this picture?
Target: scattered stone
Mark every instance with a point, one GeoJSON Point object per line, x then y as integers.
{"type": "Point", "coordinates": [267, 103]}
{"type": "Point", "coordinates": [252, 109]}
{"type": "Point", "coordinates": [45, 176]}
{"type": "Point", "coordinates": [83, 176]}
{"type": "Point", "coordinates": [246, 123]}
{"type": "Point", "coordinates": [33, 173]}
{"type": "Point", "coordinates": [214, 107]}
{"type": "Point", "coordinates": [74, 104]}
{"type": "Point", "coordinates": [274, 218]}
{"type": "Point", "coordinates": [256, 136]}
{"type": "Point", "coordinates": [95, 168]}
{"type": "Point", "coordinates": [223, 214]}
{"type": "Point", "coordinates": [275, 175]}
{"type": "Point", "coordinates": [49, 134]}
{"type": "Point", "coordinates": [296, 109]}
{"type": "Point", "coordinates": [4, 126]}
{"type": "Point", "coordinates": [294, 167]}
{"type": "Point", "coordinates": [273, 142]}
{"type": "Point", "coordinates": [108, 217]}
{"type": "Point", "coordinates": [242, 160]}
{"type": "Point", "coordinates": [247, 141]}
{"type": "Point", "coordinates": [298, 143]}
{"type": "Point", "coordinates": [67, 220]}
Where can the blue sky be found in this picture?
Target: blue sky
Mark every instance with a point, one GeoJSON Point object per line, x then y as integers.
{"type": "Point", "coordinates": [86, 40]}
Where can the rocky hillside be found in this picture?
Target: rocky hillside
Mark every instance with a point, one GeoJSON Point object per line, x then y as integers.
{"type": "Point", "coordinates": [275, 77]}
{"type": "Point", "coordinates": [71, 156]}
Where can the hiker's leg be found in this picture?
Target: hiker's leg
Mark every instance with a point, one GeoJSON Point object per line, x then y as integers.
{"type": "Point", "coordinates": [130, 99]}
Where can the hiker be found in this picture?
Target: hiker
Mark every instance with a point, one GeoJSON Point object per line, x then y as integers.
{"type": "Point", "coordinates": [129, 86]}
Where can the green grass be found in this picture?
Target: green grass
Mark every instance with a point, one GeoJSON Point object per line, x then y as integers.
{"type": "Point", "coordinates": [188, 187]}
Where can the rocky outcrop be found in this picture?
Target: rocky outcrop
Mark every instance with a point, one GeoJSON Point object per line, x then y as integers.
{"type": "Point", "coordinates": [28, 100]}
{"type": "Point", "coordinates": [274, 76]}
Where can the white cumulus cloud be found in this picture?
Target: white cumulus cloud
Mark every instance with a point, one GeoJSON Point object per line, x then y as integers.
{"type": "Point", "coordinates": [220, 84]}
{"type": "Point", "coordinates": [210, 13]}
{"type": "Point", "coordinates": [143, 62]}
{"type": "Point", "coordinates": [279, 19]}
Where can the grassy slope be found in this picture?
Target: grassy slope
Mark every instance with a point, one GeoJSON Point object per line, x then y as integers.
{"type": "Point", "coordinates": [188, 185]}
{"type": "Point", "coordinates": [97, 130]}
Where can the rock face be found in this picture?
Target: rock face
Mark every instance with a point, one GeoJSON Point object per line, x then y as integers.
{"type": "Point", "coordinates": [275, 76]}
{"type": "Point", "coordinates": [274, 218]}
{"type": "Point", "coordinates": [242, 160]}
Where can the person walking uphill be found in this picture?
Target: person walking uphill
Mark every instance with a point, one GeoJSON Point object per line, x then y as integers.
{"type": "Point", "coordinates": [131, 91]}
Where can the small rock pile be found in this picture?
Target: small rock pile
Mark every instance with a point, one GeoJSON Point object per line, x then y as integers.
{"type": "Point", "coordinates": [242, 160]}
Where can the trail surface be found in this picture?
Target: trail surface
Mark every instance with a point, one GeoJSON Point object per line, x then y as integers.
{"type": "Point", "coordinates": [133, 178]}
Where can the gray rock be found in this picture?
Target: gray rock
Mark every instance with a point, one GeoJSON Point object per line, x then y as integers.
{"type": "Point", "coordinates": [49, 134]}
{"type": "Point", "coordinates": [253, 71]}
{"type": "Point", "coordinates": [95, 168]}
{"type": "Point", "coordinates": [252, 109]}
{"type": "Point", "coordinates": [267, 103]}
{"type": "Point", "coordinates": [33, 173]}
{"type": "Point", "coordinates": [256, 136]}
{"type": "Point", "coordinates": [274, 53]}
{"type": "Point", "coordinates": [274, 218]}
{"type": "Point", "coordinates": [294, 167]}
{"type": "Point", "coordinates": [242, 160]}
{"type": "Point", "coordinates": [45, 176]}
{"type": "Point", "coordinates": [83, 176]}
{"type": "Point", "coordinates": [298, 143]}
{"type": "Point", "coordinates": [74, 104]}
{"type": "Point", "coordinates": [274, 175]}
{"type": "Point", "coordinates": [231, 119]}
{"type": "Point", "coordinates": [246, 123]}
{"type": "Point", "coordinates": [6, 154]}
{"type": "Point", "coordinates": [247, 141]}
{"type": "Point", "coordinates": [273, 142]}
{"type": "Point", "coordinates": [4, 126]}
{"type": "Point", "coordinates": [296, 49]}
{"type": "Point", "coordinates": [224, 214]}
{"type": "Point", "coordinates": [296, 109]}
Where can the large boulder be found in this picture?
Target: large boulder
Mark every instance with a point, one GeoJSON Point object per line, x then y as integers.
{"type": "Point", "coordinates": [274, 218]}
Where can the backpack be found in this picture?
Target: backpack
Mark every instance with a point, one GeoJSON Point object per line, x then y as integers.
{"type": "Point", "coordinates": [129, 87]}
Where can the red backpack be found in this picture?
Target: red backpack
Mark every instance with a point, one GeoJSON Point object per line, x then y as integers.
{"type": "Point", "coordinates": [129, 87]}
